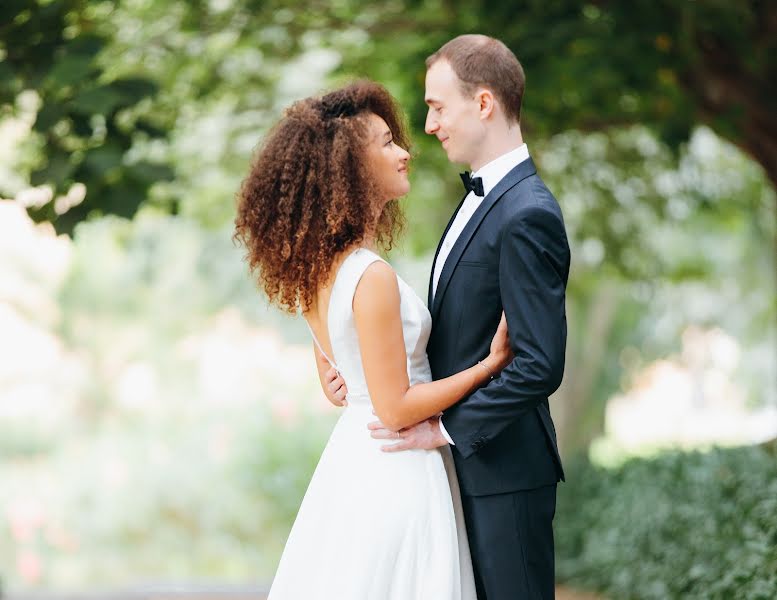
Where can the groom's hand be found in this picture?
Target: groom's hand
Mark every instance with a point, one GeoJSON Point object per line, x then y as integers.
{"type": "Point", "coordinates": [425, 435]}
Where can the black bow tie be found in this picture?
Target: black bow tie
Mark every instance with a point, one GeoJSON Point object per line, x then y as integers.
{"type": "Point", "coordinates": [472, 184]}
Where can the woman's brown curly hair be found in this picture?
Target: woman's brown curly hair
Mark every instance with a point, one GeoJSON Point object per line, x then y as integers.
{"type": "Point", "coordinates": [310, 195]}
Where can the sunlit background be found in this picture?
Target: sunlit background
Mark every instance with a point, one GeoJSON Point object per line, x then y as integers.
{"type": "Point", "coordinates": [159, 422]}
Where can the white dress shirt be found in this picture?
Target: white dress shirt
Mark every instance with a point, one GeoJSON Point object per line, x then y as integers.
{"type": "Point", "coordinates": [491, 174]}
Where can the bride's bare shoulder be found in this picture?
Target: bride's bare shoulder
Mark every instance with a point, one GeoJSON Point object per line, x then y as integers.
{"type": "Point", "coordinates": [377, 290]}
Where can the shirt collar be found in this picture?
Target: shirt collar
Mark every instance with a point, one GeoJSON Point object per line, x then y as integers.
{"type": "Point", "coordinates": [493, 172]}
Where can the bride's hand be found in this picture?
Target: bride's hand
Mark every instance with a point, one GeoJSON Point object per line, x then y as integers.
{"type": "Point", "coordinates": [501, 354]}
{"type": "Point", "coordinates": [335, 389]}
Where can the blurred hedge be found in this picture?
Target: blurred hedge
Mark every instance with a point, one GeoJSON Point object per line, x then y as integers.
{"type": "Point", "coordinates": [681, 525]}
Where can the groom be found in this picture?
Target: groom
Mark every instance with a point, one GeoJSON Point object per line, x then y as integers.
{"type": "Point", "coordinates": [504, 249]}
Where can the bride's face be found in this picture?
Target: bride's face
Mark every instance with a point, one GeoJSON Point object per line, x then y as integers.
{"type": "Point", "coordinates": [388, 162]}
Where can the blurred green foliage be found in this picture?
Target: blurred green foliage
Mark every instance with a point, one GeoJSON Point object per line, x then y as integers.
{"type": "Point", "coordinates": [591, 65]}
{"type": "Point", "coordinates": [107, 508]}
{"type": "Point", "coordinates": [699, 525]}
{"type": "Point", "coordinates": [156, 107]}
{"type": "Point", "coordinates": [172, 427]}
{"type": "Point", "coordinates": [130, 90]}
{"type": "Point", "coordinates": [88, 117]}
{"type": "Point", "coordinates": [180, 420]}
{"type": "Point", "coordinates": [658, 243]}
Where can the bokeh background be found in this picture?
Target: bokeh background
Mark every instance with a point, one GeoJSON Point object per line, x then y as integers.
{"type": "Point", "coordinates": [159, 422]}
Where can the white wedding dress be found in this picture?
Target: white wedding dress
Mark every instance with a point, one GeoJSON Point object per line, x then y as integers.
{"type": "Point", "coordinates": [375, 525]}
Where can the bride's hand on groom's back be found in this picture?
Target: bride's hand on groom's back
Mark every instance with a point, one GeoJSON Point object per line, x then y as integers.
{"type": "Point", "coordinates": [501, 354]}
{"type": "Point", "coordinates": [334, 388]}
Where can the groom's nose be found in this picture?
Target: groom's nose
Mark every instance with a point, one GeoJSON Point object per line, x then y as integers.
{"type": "Point", "coordinates": [431, 125]}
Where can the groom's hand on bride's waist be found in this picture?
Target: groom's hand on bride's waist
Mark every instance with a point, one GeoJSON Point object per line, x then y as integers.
{"type": "Point", "coordinates": [425, 435]}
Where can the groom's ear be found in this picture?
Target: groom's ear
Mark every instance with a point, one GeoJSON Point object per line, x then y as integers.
{"type": "Point", "coordinates": [486, 102]}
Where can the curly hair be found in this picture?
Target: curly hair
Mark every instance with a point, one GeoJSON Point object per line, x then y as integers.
{"type": "Point", "coordinates": [309, 194]}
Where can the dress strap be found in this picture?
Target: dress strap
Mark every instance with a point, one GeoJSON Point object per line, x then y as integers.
{"type": "Point", "coordinates": [320, 349]}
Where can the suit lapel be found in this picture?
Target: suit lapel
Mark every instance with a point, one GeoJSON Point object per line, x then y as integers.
{"type": "Point", "coordinates": [519, 173]}
{"type": "Point", "coordinates": [439, 245]}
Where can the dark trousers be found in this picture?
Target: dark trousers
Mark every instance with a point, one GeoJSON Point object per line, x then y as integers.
{"type": "Point", "coordinates": [511, 540]}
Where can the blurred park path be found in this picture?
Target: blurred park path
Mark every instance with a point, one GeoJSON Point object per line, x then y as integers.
{"type": "Point", "coordinates": [183, 592]}
{"type": "Point", "coordinates": [567, 593]}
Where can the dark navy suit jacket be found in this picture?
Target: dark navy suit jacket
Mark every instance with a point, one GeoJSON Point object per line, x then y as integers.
{"type": "Point", "coordinates": [513, 255]}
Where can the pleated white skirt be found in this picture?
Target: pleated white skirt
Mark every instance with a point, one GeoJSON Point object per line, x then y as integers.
{"type": "Point", "coordinates": [376, 525]}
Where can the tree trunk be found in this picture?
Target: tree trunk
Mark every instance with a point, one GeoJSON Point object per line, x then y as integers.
{"type": "Point", "coordinates": [578, 416]}
{"type": "Point", "coordinates": [731, 96]}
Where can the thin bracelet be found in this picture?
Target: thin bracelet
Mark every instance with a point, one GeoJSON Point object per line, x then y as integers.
{"type": "Point", "coordinates": [490, 373]}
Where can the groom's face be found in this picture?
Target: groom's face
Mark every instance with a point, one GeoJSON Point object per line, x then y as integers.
{"type": "Point", "coordinates": [453, 117]}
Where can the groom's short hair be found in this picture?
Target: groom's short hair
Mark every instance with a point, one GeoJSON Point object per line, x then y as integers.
{"type": "Point", "coordinates": [483, 61]}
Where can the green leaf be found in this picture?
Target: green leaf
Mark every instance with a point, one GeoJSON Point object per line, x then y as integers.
{"type": "Point", "coordinates": [151, 172]}
{"type": "Point", "coordinates": [56, 171]}
{"type": "Point", "coordinates": [104, 158]}
{"type": "Point", "coordinates": [72, 69]}
{"type": "Point", "coordinates": [8, 83]}
{"type": "Point", "coordinates": [125, 198]}
{"type": "Point", "coordinates": [147, 127]}
{"type": "Point", "coordinates": [48, 116]}
{"type": "Point", "coordinates": [100, 100]}
{"type": "Point", "coordinates": [135, 89]}
{"type": "Point", "coordinates": [87, 44]}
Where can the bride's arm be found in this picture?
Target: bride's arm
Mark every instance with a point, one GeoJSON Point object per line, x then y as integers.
{"type": "Point", "coordinates": [381, 341]}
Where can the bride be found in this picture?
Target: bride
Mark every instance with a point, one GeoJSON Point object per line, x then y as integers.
{"type": "Point", "coordinates": [319, 200]}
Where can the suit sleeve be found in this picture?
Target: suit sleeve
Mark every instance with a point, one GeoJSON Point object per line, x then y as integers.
{"type": "Point", "coordinates": [533, 271]}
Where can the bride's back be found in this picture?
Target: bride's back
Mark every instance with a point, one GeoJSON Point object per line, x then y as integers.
{"type": "Point", "coordinates": [332, 324]}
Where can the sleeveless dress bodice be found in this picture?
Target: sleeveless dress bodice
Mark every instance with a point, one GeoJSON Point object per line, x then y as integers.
{"type": "Point", "coordinates": [416, 326]}
{"type": "Point", "coordinates": [376, 525]}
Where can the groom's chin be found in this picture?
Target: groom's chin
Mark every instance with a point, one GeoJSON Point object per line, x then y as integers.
{"type": "Point", "coordinates": [453, 156]}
